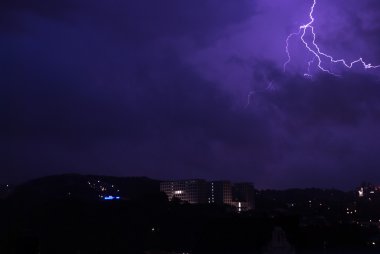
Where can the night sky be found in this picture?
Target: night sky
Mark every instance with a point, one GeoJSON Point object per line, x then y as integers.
{"type": "Point", "coordinates": [189, 89]}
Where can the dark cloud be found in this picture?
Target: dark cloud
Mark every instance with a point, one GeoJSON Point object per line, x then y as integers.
{"type": "Point", "coordinates": [136, 21]}
{"type": "Point", "coordinates": [328, 99]}
{"type": "Point", "coordinates": [326, 128]}
{"type": "Point", "coordinates": [40, 7]}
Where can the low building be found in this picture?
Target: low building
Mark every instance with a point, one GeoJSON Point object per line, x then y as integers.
{"type": "Point", "coordinates": [244, 193]}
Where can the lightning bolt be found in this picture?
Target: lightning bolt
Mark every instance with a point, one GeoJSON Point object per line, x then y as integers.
{"type": "Point", "coordinates": [315, 50]}
{"type": "Point", "coordinates": [308, 73]}
{"type": "Point", "coordinates": [270, 85]}
{"type": "Point", "coordinates": [251, 95]}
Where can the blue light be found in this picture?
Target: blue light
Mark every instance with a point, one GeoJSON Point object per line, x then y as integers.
{"type": "Point", "coordinates": [111, 197]}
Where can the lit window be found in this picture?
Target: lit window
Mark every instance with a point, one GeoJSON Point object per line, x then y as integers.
{"type": "Point", "coordinates": [361, 192]}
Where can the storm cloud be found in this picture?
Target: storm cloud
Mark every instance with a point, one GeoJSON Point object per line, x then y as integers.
{"type": "Point", "coordinates": [178, 89]}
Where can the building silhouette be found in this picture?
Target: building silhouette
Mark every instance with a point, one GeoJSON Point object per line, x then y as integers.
{"type": "Point", "coordinates": [279, 243]}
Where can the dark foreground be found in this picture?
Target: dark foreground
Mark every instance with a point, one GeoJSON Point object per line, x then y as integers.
{"type": "Point", "coordinates": [59, 215]}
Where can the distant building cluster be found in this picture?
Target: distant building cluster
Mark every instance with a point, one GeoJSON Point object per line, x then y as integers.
{"type": "Point", "coordinates": [4, 190]}
{"type": "Point", "coordinates": [199, 191]}
{"type": "Point", "coordinates": [105, 190]}
{"type": "Point", "coordinates": [368, 190]}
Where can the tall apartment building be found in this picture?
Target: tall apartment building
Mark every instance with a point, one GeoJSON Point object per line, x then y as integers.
{"type": "Point", "coordinates": [220, 192]}
{"type": "Point", "coordinates": [194, 191]}
{"type": "Point", "coordinates": [198, 191]}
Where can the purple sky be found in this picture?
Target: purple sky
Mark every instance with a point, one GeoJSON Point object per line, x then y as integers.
{"type": "Point", "coordinates": [160, 88]}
